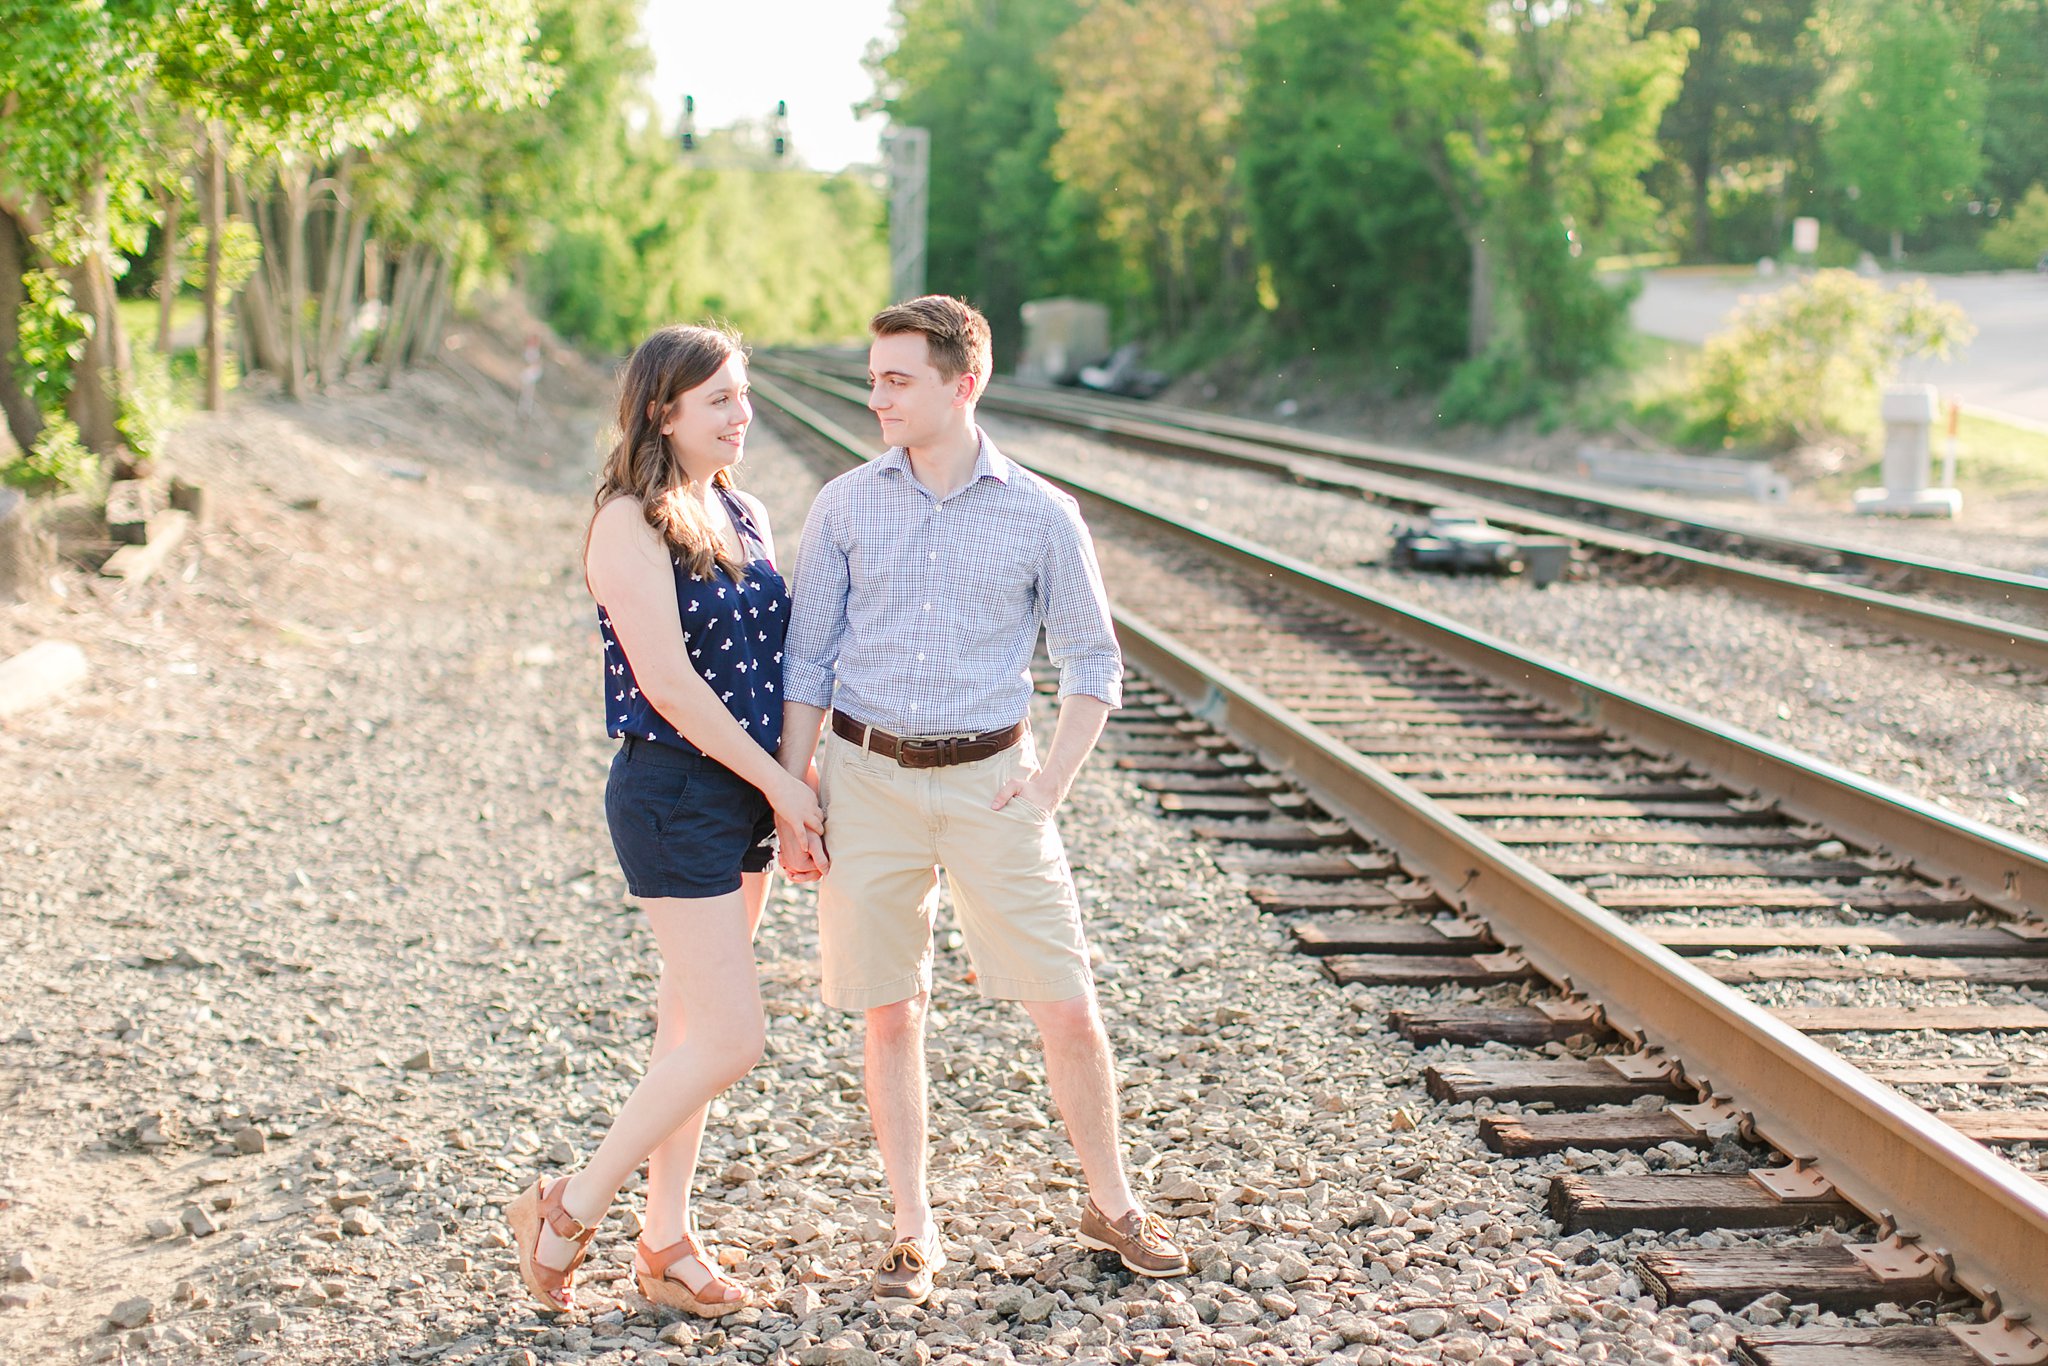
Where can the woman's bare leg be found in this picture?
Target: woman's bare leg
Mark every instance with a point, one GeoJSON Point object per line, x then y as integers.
{"type": "Point", "coordinates": [707, 956]}
{"type": "Point", "coordinates": [672, 1167]}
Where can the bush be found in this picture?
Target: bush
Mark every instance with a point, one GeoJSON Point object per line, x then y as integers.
{"type": "Point", "coordinates": [58, 462]}
{"type": "Point", "coordinates": [146, 406]}
{"type": "Point", "coordinates": [2021, 236]}
{"type": "Point", "coordinates": [1496, 387]}
{"type": "Point", "coordinates": [1805, 363]}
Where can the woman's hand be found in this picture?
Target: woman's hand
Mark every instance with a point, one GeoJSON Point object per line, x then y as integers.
{"type": "Point", "coordinates": [800, 821]}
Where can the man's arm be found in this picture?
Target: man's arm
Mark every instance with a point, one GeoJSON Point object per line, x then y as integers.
{"type": "Point", "coordinates": [1080, 637]}
{"type": "Point", "coordinates": [1080, 725]}
{"type": "Point", "coordinates": [817, 626]}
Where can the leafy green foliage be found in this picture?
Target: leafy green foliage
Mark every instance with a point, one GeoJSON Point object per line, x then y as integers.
{"type": "Point", "coordinates": [1148, 129]}
{"type": "Point", "coordinates": [1003, 228]}
{"type": "Point", "coordinates": [2012, 42]}
{"type": "Point", "coordinates": [1740, 137]}
{"type": "Point", "coordinates": [1905, 127]}
{"type": "Point", "coordinates": [52, 337]}
{"type": "Point", "coordinates": [1363, 252]}
{"type": "Point", "coordinates": [785, 255]}
{"type": "Point", "coordinates": [59, 462]}
{"type": "Point", "coordinates": [2021, 235]}
{"type": "Point", "coordinates": [1805, 363]}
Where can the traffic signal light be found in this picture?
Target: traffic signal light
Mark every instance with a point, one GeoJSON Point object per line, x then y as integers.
{"type": "Point", "coordinates": [689, 123]}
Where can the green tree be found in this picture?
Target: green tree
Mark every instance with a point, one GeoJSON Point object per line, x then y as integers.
{"type": "Point", "coordinates": [1536, 122]}
{"type": "Point", "coordinates": [1149, 130]}
{"type": "Point", "coordinates": [1362, 251]}
{"type": "Point", "coordinates": [1904, 130]}
{"type": "Point", "coordinates": [980, 75]}
{"type": "Point", "coordinates": [2013, 55]}
{"type": "Point", "coordinates": [1742, 134]}
{"type": "Point", "coordinates": [2020, 237]}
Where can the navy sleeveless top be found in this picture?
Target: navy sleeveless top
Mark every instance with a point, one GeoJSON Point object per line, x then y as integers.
{"type": "Point", "coordinates": [734, 629]}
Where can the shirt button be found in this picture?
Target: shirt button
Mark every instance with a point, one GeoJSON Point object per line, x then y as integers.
{"type": "Point", "coordinates": [920, 659]}
{"type": "Point", "coordinates": [927, 607]}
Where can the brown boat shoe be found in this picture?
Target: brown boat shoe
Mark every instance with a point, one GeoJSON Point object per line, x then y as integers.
{"type": "Point", "coordinates": [1138, 1239]}
{"type": "Point", "coordinates": [905, 1271]}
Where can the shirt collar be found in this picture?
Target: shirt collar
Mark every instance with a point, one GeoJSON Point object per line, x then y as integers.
{"type": "Point", "coordinates": [989, 462]}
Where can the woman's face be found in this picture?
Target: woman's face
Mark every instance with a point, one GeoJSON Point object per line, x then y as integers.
{"type": "Point", "coordinates": [707, 426]}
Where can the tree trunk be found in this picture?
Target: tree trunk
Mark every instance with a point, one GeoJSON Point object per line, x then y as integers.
{"type": "Point", "coordinates": [297, 190]}
{"type": "Point", "coordinates": [216, 212]}
{"type": "Point", "coordinates": [167, 273]}
{"type": "Point", "coordinates": [1898, 246]}
{"type": "Point", "coordinates": [257, 306]}
{"type": "Point", "coordinates": [102, 369]}
{"type": "Point", "coordinates": [344, 262]}
{"type": "Point", "coordinates": [426, 341]}
{"type": "Point", "coordinates": [1479, 311]}
{"type": "Point", "coordinates": [398, 318]}
{"type": "Point", "coordinates": [24, 418]}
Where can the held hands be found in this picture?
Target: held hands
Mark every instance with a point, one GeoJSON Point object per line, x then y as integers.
{"type": "Point", "coordinates": [1038, 788]}
{"type": "Point", "coordinates": [800, 828]}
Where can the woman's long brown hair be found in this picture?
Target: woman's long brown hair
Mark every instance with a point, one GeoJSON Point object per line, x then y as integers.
{"type": "Point", "coordinates": [661, 369]}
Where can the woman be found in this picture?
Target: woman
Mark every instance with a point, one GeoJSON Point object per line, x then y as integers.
{"type": "Point", "coordinates": [692, 614]}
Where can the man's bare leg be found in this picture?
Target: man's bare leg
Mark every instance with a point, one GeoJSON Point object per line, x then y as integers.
{"type": "Point", "coordinates": [897, 1106]}
{"type": "Point", "coordinates": [1083, 1079]}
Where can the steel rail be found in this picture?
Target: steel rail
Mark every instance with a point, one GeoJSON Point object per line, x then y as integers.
{"type": "Point", "coordinates": [2024, 646]}
{"type": "Point", "coordinates": [1076, 408]}
{"type": "Point", "coordinates": [1862, 607]}
{"type": "Point", "coordinates": [2004, 869]}
{"type": "Point", "coordinates": [1883, 1154]}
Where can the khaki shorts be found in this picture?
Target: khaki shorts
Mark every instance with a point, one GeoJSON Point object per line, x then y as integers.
{"type": "Point", "coordinates": [889, 829]}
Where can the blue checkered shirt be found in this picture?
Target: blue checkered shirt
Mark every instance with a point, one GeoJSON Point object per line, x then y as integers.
{"type": "Point", "coordinates": [924, 613]}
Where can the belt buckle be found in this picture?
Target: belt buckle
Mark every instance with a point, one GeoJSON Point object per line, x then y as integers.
{"type": "Point", "coordinates": [910, 752]}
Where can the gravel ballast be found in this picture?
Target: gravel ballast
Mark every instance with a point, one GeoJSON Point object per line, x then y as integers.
{"type": "Point", "coordinates": [320, 953]}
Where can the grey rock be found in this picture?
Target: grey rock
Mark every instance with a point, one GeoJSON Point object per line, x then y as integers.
{"type": "Point", "coordinates": [132, 1313]}
{"type": "Point", "coordinates": [21, 1267]}
{"type": "Point", "coordinates": [1426, 1323]}
{"type": "Point", "coordinates": [198, 1222]}
{"type": "Point", "coordinates": [250, 1140]}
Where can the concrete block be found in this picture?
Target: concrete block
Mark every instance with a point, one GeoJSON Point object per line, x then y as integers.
{"type": "Point", "coordinates": [40, 674]}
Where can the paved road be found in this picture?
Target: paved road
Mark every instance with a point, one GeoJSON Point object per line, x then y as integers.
{"type": "Point", "coordinates": [2005, 367]}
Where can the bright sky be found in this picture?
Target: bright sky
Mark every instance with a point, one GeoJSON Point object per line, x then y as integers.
{"type": "Point", "coordinates": [738, 57]}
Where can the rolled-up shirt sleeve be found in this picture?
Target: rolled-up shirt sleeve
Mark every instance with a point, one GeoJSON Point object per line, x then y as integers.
{"type": "Point", "coordinates": [1080, 637]}
{"type": "Point", "coordinates": [817, 623]}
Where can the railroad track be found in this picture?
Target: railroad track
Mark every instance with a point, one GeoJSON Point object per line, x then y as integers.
{"type": "Point", "coordinates": [1652, 895]}
{"type": "Point", "coordinates": [1854, 585]}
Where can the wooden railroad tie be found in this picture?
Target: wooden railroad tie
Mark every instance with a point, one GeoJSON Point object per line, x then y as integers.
{"type": "Point", "coordinates": [1666, 1201]}
{"type": "Point", "coordinates": [1311, 867]}
{"type": "Point", "coordinates": [1838, 1279]}
{"type": "Point", "coordinates": [1907, 1346]}
{"type": "Point", "coordinates": [1179, 762]}
{"type": "Point", "coordinates": [1548, 1022]}
{"type": "Point", "coordinates": [1743, 836]}
{"type": "Point", "coordinates": [1361, 895]}
{"type": "Point", "coordinates": [1280, 834]}
{"type": "Point", "coordinates": [1560, 1081]}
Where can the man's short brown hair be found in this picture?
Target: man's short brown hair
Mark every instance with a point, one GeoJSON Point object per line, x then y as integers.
{"type": "Point", "coordinates": [955, 334]}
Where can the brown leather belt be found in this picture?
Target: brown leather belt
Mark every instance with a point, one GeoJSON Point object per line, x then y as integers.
{"type": "Point", "coordinates": [936, 752]}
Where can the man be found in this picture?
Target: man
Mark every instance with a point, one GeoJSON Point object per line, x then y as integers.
{"type": "Point", "coordinates": [921, 585]}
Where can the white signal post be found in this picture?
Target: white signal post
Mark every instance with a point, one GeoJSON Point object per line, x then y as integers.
{"type": "Point", "coordinates": [907, 152]}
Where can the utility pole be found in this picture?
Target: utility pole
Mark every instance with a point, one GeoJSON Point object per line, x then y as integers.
{"type": "Point", "coordinates": [908, 152]}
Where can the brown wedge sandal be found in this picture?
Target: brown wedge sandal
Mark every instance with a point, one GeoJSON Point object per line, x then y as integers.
{"type": "Point", "coordinates": [663, 1289]}
{"type": "Point", "coordinates": [540, 1203]}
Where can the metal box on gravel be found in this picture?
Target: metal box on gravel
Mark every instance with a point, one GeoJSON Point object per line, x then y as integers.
{"type": "Point", "coordinates": [1463, 543]}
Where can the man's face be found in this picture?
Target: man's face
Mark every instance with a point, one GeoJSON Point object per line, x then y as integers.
{"type": "Point", "coordinates": [915, 403]}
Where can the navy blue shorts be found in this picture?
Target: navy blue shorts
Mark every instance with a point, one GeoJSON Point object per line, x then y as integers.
{"type": "Point", "coordinates": [684, 825]}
